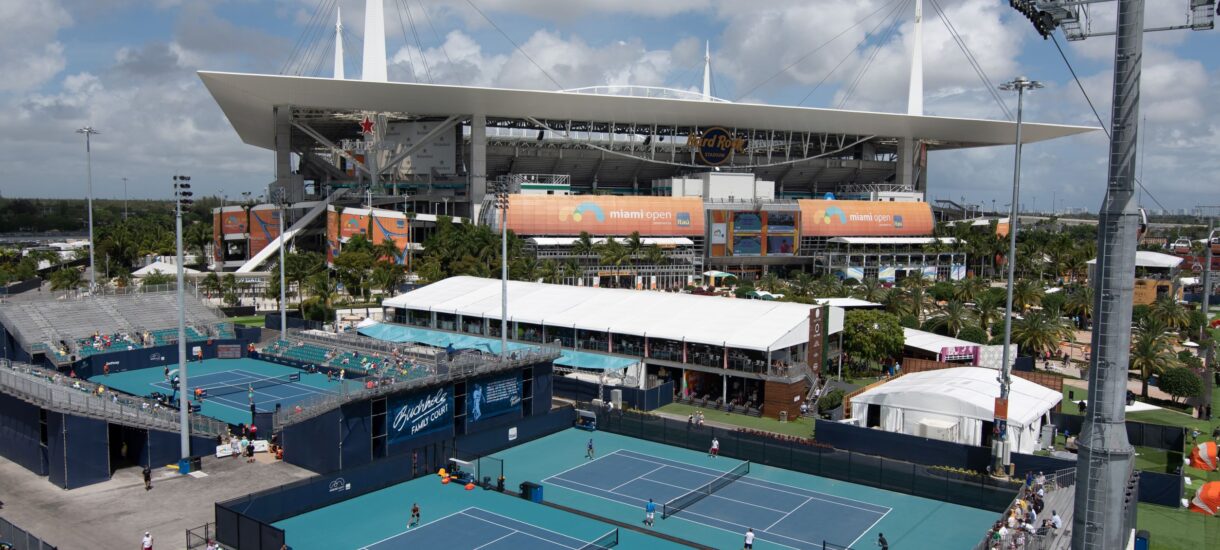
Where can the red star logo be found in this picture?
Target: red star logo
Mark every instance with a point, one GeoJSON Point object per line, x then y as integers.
{"type": "Point", "coordinates": [366, 126]}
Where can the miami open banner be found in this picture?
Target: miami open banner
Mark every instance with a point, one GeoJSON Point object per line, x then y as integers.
{"type": "Point", "coordinates": [420, 414]}
{"type": "Point", "coordinates": [491, 397]}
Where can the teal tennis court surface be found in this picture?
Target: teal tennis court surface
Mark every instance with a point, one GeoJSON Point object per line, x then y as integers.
{"type": "Point", "coordinates": [786, 509]}
{"type": "Point", "coordinates": [235, 375]}
{"type": "Point", "coordinates": [478, 528]}
{"type": "Point", "coordinates": [789, 517]}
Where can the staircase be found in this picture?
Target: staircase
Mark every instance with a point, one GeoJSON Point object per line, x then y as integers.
{"type": "Point", "coordinates": [265, 254]}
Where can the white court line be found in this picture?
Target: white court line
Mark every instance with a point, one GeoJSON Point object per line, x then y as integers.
{"type": "Point", "coordinates": [514, 530]}
{"type": "Point", "coordinates": [684, 513]}
{"type": "Point", "coordinates": [690, 489]}
{"type": "Point", "coordinates": [764, 483]}
{"type": "Point", "coordinates": [870, 528]}
{"type": "Point", "coordinates": [636, 478]}
{"type": "Point", "coordinates": [417, 528]}
{"type": "Point", "coordinates": [510, 533]}
{"type": "Point", "coordinates": [581, 465]}
{"type": "Point", "coordinates": [785, 516]}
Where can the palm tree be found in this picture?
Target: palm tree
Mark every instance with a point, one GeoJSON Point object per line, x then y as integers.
{"type": "Point", "coordinates": [583, 246]}
{"type": "Point", "coordinates": [803, 284]}
{"type": "Point", "coordinates": [571, 270]}
{"type": "Point", "coordinates": [870, 290]}
{"type": "Point", "coordinates": [323, 288]}
{"type": "Point", "coordinates": [1038, 333]}
{"type": "Point", "coordinates": [989, 308]}
{"type": "Point", "coordinates": [634, 244]}
{"type": "Point", "coordinates": [968, 290]}
{"type": "Point", "coordinates": [68, 278]}
{"type": "Point", "coordinates": [211, 284]}
{"type": "Point", "coordinates": [548, 271]}
{"type": "Point", "coordinates": [1025, 294]}
{"type": "Point", "coordinates": [1170, 313]}
{"type": "Point", "coordinates": [614, 254]}
{"type": "Point", "coordinates": [388, 250]}
{"type": "Point", "coordinates": [1151, 352]}
{"type": "Point", "coordinates": [951, 319]}
{"type": "Point", "coordinates": [653, 255]}
{"type": "Point", "coordinates": [769, 282]}
{"type": "Point", "coordinates": [830, 286]}
{"type": "Point", "coordinates": [1079, 304]}
{"type": "Point", "coordinates": [916, 290]}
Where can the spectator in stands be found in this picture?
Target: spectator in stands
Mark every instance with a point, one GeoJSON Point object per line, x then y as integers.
{"type": "Point", "coordinates": [1056, 521]}
{"type": "Point", "coordinates": [235, 446]}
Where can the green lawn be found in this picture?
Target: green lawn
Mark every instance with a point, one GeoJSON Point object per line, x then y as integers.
{"type": "Point", "coordinates": [1177, 528]}
{"type": "Point", "coordinates": [800, 427]}
{"type": "Point", "coordinates": [247, 321]}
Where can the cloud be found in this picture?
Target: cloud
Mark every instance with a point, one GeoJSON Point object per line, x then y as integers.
{"type": "Point", "coordinates": [28, 37]}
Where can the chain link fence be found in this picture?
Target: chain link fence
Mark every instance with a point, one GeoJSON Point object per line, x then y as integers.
{"type": "Point", "coordinates": [19, 539]}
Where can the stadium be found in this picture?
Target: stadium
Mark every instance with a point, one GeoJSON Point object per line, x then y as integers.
{"type": "Point", "coordinates": [528, 414]}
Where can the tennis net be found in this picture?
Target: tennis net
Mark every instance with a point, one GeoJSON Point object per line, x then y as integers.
{"type": "Point", "coordinates": [229, 389]}
{"type": "Point", "coordinates": [609, 540]}
{"type": "Point", "coordinates": [678, 504]}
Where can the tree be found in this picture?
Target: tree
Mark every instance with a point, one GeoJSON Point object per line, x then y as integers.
{"type": "Point", "coordinates": [968, 290]}
{"type": "Point", "coordinates": [387, 276]}
{"type": "Point", "coordinates": [870, 337]}
{"type": "Point", "coordinates": [1026, 293]}
{"type": "Point", "coordinates": [989, 308]}
{"type": "Point", "coordinates": [918, 299]}
{"type": "Point", "coordinates": [973, 334]}
{"type": "Point", "coordinates": [769, 282]}
{"type": "Point", "coordinates": [1181, 382]}
{"type": "Point", "coordinates": [68, 278]}
{"type": "Point", "coordinates": [952, 319]}
{"type": "Point", "coordinates": [1039, 332]}
{"type": "Point", "coordinates": [549, 271]}
{"type": "Point", "coordinates": [1168, 311]}
{"type": "Point", "coordinates": [614, 254]}
{"type": "Point", "coordinates": [1151, 352]}
{"type": "Point", "coordinates": [157, 278]}
{"type": "Point", "coordinates": [583, 246]}
{"type": "Point", "coordinates": [354, 266]}
{"type": "Point", "coordinates": [1079, 304]}
{"type": "Point", "coordinates": [196, 238]}
{"type": "Point", "coordinates": [870, 290]}
{"type": "Point", "coordinates": [653, 255]}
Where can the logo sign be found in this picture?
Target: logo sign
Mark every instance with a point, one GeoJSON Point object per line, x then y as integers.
{"type": "Point", "coordinates": [339, 485]}
{"type": "Point", "coordinates": [421, 414]}
{"type": "Point", "coordinates": [715, 146]}
{"type": "Point", "coordinates": [512, 433]}
{"type": "Point", "coordinates": [491, 397]}
{"type": "Point", "coordinates": [112, 363]}
{"type": "Point", "coordinates": [156, 357]}
{"type": "Point", "coordinates": [581, 211]}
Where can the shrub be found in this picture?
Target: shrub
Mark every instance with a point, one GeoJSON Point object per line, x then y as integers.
{"type": "Point", "coordinates": [973, 334]}
{"type": "Point", "coordinates": [1181, 382]}
{"type": "Point", "coordinates": [830, 401]}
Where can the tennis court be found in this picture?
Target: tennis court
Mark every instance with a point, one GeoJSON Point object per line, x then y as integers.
{"type": "Point", "coordinates": [478, 528]}
{"type": "Point", "coordinates": [731, 501]}
{"type": "Point", "coordinates": [228, 382]}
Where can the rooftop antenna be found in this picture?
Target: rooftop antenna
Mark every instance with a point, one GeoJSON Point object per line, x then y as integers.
{"type": "Point", "coordinates": [915, 95]}
{"type": "Point", "coordinates": [339, 44]}
{"type": "Point", "coordinates": [374, 67]}
{"type": "Point", "coordinates": [707, 71]}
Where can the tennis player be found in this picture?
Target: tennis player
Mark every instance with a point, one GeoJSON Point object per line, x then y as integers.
{"type": "Point", "coordinates": [589, 450]}
{"type": "Point", "coordinates": [650, 512]}
{"type": "Point", "coordinates": [715, 450]}
{"type": "Point", "coordinates": [414, 516]}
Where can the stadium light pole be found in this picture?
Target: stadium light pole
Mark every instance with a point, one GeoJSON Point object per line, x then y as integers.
{"type": "Point", "coordinates": [502, 204]}
{"type": "Point", "coordinates": [182, 197]}
{"type": "Point", "coordinates": [280, 199]}
{"type": "Point", "coordinates": [999, 447]}
{"type": "Point", "coordinates": [124, 198]}
{"type": "Point", "coordinates": [89, 131]}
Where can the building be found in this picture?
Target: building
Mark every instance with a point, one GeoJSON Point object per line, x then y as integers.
{"type": "Point", "coordinates": [1155, 275]}
{"type": "Point", "coordinates": [755, 352]}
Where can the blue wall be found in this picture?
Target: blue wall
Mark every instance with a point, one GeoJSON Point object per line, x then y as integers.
{"type": "Point", "coordinates": [20, 434]}
{"type": "Point", "coordinates": [315, 443]}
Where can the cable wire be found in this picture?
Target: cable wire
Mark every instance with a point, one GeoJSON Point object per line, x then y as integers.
{"type": "Point", "coordinates": [1101, 123]}
{"type": "Point", "coordinates": [974, 63]}
{"type": "Point", "coordinates": [873, 55]}
{"type": "Point", "coordinates": [848, 56]}
{"type": "Point", "coordinates": [519, 48]}
{"type": "Point", "coordinates": [301, 39]}
{"type": "Point", "coordinates": [403, 4]}
{"type": "Point", "coordinates": [441, 41]}
{"type": "Point", "coordinates": [813, 51]}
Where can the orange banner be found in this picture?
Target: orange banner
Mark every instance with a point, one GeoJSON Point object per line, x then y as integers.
{"type": "Point", "coordinates": [823, 218]}
{"type": "Point", "coordinates": [233, 220]}
{"type": "Point", "coordinates": [217, 244]}
{"type": "Point", "coordinates": [264, 228]}
{"type": "Point", "coordinates": [391, 226]}
{"type": "Point", "coordinates": [353, 222]}
{"type": "Point", "coordinates": [605, 215]}
{"type": "Point", "coordinates": [332, 234]}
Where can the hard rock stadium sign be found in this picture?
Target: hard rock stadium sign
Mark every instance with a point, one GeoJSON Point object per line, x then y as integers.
{"type": "Point", "coordinates": [715, 146]}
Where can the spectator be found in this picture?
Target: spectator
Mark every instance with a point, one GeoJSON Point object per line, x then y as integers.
{"type": "Point", "coordinates": [147, 478]}
{"type": "Point", "coordinates": [147, 542]}
{"type": "Point", "coordinates": [1056, 521]}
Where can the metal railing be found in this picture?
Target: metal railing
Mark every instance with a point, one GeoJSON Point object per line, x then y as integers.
{"type": "Point", "coordinates": [1059, 482]}
{"type": "Point", "coordinates": [345, 342]}
{"type": "Point", "coordinates": [20, 538]}
{"type": "Point", "coordinates": [445, 369]}
{"type": "Point", "coordinates": [52, 390]}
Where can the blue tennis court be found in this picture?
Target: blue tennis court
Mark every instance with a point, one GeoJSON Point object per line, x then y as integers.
{"type": "Point", "coordinates": [234, 374]}
{"type": "Point", "coordinates": [783, 515]}
{"type": "Point", "coordinates": [478, 528]}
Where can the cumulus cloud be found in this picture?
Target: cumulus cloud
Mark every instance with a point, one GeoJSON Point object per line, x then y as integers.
{"type": "Point", "coordinates": [32, 55]}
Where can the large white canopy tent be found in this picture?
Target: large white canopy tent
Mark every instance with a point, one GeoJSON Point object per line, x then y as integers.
{"type": "Point", "coordinates": [952, 405]}
{"type": "Point", "coordinates": [744, 324]}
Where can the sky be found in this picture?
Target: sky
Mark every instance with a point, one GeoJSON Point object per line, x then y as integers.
{"type": "Point", "coordinates": [128, 68]}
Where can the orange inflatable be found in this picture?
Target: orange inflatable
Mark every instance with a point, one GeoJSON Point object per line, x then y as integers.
{"type": "Point", "coordinates": [1204, 457]}
{"type": "Point", "coordinates": [1207, 500]}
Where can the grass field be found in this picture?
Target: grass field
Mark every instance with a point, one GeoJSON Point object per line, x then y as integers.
{"type": "Point", "coordinates": [1178, 529]}
{"type": "Point", "coordinates": [798, 427]}
{"type": "Point", "coordinates": [248, 321]}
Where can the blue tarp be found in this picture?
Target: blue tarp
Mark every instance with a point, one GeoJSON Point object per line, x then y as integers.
{"type": "Point", "coordinates": [441, 339]}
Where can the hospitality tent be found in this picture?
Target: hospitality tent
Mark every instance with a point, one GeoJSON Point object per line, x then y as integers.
{"type": "Point", "coordinates": [163, 268]}
{"type": "Point", "coordinates": [953, 404]}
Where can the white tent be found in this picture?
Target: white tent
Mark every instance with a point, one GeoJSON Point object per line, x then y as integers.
{"type": "Point", "coordinates": [163, 268]}
{"type": "Point", "coordinates": [952, 404]}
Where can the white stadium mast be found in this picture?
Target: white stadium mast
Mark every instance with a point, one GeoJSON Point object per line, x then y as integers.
{"type": "Point", "coordinates": [707, 71]}
{"type": "Point", "coordinates": [915, 95]}
{"type": "Point", "coordinates": [339, 44]}
{"type": "Point", "coordinates": [374, 67]}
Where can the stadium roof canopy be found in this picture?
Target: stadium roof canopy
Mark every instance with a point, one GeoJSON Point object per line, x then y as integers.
{"type": "Point", "coordinates": [1148, 258]}
{"type": "Point", "coordinates": [746, 324]}
{"type": "Point", "coordinates": [932, 342]}
{"type": "Point", "coordinates": [248, 100]}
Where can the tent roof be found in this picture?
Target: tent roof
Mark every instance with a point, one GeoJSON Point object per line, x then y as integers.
{"type": "Point", "coordinates": [567, 241]}
{"type": "Point", "coordinates": [968, 392]}
{"type": "Point", "coordinates": [746, 324]}
{"type": "Point", "coordinates": [248, 100]}
{"type": "Point", "coordinates": [163, 267]}
{"type": "Point", "coordinates": [1148, 258]}
{"type": "Point", "coordinates": [890, 240]}
{"type": "Point", "coordinates": [929, 341]}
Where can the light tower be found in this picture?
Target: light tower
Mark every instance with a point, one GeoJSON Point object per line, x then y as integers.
{"type": "Point", "coordinates": [182, 197]}
{"type": "Point", "coordinates": [89, 131]}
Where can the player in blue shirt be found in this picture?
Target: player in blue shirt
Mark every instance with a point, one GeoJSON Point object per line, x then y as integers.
{"type": "Point", "coordinates": [650, 511]}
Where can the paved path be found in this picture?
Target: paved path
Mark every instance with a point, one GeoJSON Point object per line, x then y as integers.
{"type": "Point", "coordinates": [116, 513]}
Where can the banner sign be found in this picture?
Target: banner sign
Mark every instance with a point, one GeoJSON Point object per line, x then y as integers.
{"type": "Point", "coordinates": [420, 414]}
{"type": "Point", "coordinates": [715, 146]}
{"type": "Point", "coordinates": [228, 351]}
{"type": "Point", "coordinates": [490, 397]}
